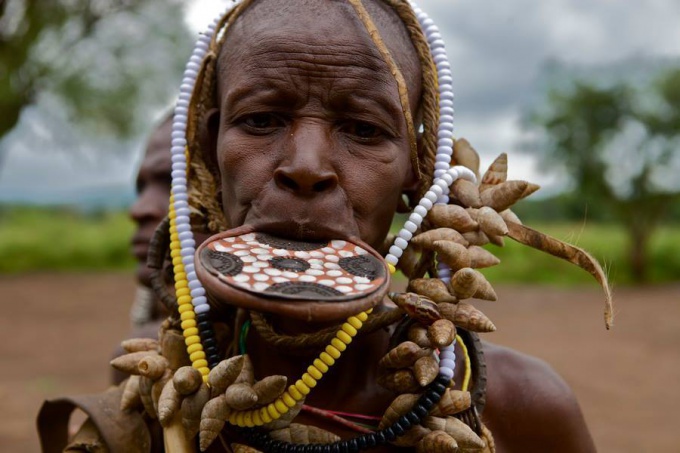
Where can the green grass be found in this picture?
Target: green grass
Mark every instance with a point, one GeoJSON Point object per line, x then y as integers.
{"type": "Point", "coordinates": [607, 243]}
{"type": "Point", "coordinates": [34, 239]}
{"type": "Point", "coordinates": [39, 239]}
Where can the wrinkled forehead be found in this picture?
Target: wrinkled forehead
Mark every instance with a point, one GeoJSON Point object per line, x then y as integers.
{"type": "Point", "coordinates": [277, 29]}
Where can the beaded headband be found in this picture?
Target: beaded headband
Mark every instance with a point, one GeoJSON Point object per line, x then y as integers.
{"type": "Point", "coordinates": [191, 295]}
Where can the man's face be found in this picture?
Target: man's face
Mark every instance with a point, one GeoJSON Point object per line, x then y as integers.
{"type": "Point", "coordinates": [312, 140]}
{"type": "Point", "coordinates": [153, 192]}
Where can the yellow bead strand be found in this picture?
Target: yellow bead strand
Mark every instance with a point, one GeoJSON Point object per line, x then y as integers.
{"type": "Point", "coordinates": [309, 380]}
{"type": "Point", "coordinates": [192, 340]}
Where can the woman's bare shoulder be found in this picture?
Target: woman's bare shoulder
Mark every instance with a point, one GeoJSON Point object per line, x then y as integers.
{"type": "Point", "coordinates": [530, 407]}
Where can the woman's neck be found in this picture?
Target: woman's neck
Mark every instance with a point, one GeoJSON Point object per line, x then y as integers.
{"type": "Point", "coordinates": [349, 385]}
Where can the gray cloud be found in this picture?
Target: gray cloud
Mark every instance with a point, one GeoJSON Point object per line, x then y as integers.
{"type": "Point", "coordinates": [497, 51]}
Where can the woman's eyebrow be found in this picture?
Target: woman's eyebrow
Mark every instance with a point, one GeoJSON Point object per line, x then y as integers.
{"type": "Point", "coordinates": [358, 102]}
{"type": "Point", "coordinates": [264, 95]}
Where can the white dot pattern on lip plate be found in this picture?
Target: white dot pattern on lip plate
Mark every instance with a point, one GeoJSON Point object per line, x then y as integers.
{"type": "Point", "coordinates": [323, 266]}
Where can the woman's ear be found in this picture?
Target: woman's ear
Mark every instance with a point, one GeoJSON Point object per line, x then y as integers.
{"type": "Point", "coordinates": [208, 134]}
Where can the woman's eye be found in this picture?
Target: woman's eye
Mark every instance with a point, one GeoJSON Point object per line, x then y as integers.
{"type": "Point", "coordinates": [364, 130]}
{"type": "Point", "coordinates": [262, 121]}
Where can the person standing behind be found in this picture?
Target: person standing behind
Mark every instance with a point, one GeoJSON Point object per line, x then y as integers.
{"type": "Point", "coordinates": [150, 208]}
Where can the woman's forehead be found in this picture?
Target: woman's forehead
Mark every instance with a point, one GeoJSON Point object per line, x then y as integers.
{"type": "Point", "coordinates": [261, 36]}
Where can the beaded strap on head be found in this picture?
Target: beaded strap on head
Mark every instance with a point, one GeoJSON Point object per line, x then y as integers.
{"type": "Point", "coordinates": [191, 298]}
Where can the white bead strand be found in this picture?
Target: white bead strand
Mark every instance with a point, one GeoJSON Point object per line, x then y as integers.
{"type": "Point", "coordinates": [179, 166]}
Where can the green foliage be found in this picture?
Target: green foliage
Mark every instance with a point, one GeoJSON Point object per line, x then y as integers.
{"type": "Point", "coordinates": [106, 65]}
{"type": "Point", "coordinates": [38, 239]}
{"type": "Point", "coordinates": [580, 123]}
{"type": "Point", "coordinates": [619, 146]}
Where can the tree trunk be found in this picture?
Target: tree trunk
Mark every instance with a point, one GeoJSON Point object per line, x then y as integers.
{"type": "Point", "coordinates": [639, 240]}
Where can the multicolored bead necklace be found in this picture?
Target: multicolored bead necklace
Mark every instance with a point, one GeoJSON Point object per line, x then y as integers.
{"type": "Point", "coordinates": [191, 296]}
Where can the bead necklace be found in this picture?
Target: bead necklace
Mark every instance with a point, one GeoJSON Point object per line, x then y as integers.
{"type": "Point", "coordinates": [191, 297]}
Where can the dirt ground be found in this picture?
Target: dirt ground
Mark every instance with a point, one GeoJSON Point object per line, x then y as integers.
{"type": "Point", "coordinates": [58, 330]}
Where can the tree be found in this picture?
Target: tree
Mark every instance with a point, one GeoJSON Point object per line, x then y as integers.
{"type": "Point", "coordinates": [106, 65]}
{"type": "Point", "coordinates": [619, 146]}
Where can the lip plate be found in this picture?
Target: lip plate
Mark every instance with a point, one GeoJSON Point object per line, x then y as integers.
{"type": "Point", "coordinates": [300, 308]}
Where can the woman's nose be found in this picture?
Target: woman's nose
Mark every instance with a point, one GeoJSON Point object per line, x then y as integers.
{"type": "Point", "coordinates": [307, 168]}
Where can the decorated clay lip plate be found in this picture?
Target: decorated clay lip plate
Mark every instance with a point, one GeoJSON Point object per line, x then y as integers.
{"type": "Point", "coordinates": [313, 281]}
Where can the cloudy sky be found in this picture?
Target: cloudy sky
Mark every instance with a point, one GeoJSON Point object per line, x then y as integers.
{"type": "Point", "coordinates": [497, 50]}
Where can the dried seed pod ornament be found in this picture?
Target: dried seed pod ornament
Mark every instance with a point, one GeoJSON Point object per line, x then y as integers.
{"type": "Point", "coordinates": [476, 237]}
{"type": "Point", "coordinates": [437, 442]}
{"type": "Point", "coordinates": [570, 253]}
{"type": "Point", "coordinates": [240, 396]}
{"type": "Point", "coordinates": [468, 317]}
{"type": "Point", "coordinates": [213, 417]}
{"type": "Point", "coordinates": [401, 405]}
{"type": "Point", "coordinates": [173, 348]}
{"type": "Point", "coordinates": [247, 373]}
{"type": "Point", "coordinates": [304, 434]}
{"type": "Point", "coordinates": [224, 374]}
{"type": "Point", "coordinates": [187, 380]}
{"type": "Point", "coordinates": [491, 222]}
{"type": "Point", "coordinates": [191, 409]}
{"type": "Point", "coordinates": [420, 308]}
{"type": "Point", "coordinates": [506, 194]}
{"type": "Point", "coordinates": [169, 402]}
{"type": "Point", "coordinates": [467, 193]}
{"type": "Point", "coordinates": [417, 333]}
{"type": "Point", "coordinates": [401, 381]}
{"type": "Point", "coordinates": [128, 363]}
{"type": "Point", "coordinates": [411, 437]}
{"type": "Point", "coordinates": [480, 258]}
{"type": "Point", "coordinates": [131, 399]}
{"type": "Point", "coordinates": [465, 437]}
{"type": "Point", "coordinates": [464, 283]}
{"type": "Point", "coordinates": [452, 217]}
{"type": "Point", "coordinates": [453, 254]}
{"type": "Point", "coordinates": [402, 356]}
{"type": "Point", "coordinates": [433, 289]}
{"type": "Point", "coordinates": [270, 388]}
{"type": "Point", "coordinates": [409, 262]}
{"type": "Point", "coordinates": [510, 216]}
{"type": "Point", "coordinates": [464, 154]}
{"type": "Point", "coordinates": [484, 289]}
{"type": "Point", "coordinates": [452, 402]}
{"type": "Point", "coordinates": [428, 238]}
{"type": "Point", "coordinates": [441, 333]}
{"type": "Point", "coordinates": [496, 174]}
{"type": "Point", "coordinates": [145, 385]}
{"type": "Point", "coordinates": [488, 439]}
{"type": "Point", "coordinates": [140, 344]}
{"type": "Point", "coordinates": [158, 386]}
{"type": "Point", "coordinates": [153, 367]}
{"type": "Point", "coordinates": [426, 370]}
